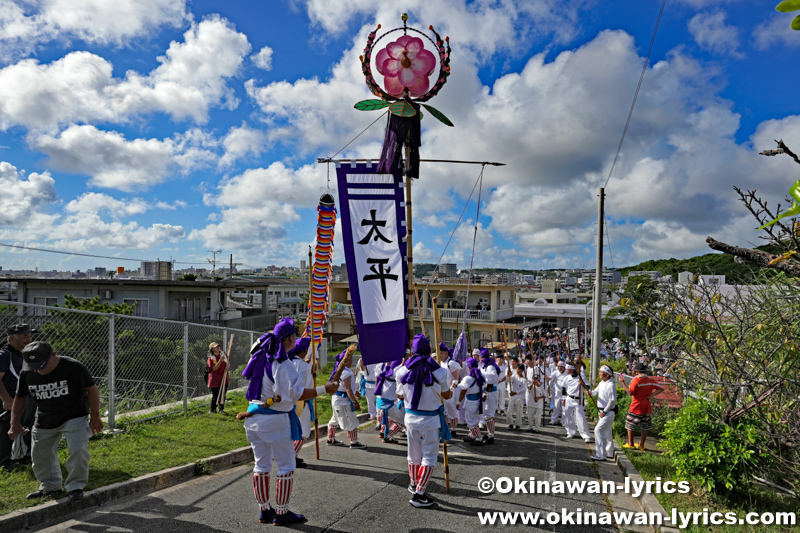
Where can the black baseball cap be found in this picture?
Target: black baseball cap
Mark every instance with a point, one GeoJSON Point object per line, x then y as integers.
{"type": "Point", "coordinates": [35, 355]}
{"type": "Point", "coordinates": [640, 367]}
{"type": "Point", "coordinates": [18, 329]}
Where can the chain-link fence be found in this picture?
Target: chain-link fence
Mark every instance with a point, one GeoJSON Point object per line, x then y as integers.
{"type": "Point", "coordinates": [137, 363]}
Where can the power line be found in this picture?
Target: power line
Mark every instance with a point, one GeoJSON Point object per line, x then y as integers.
{"type": "Point", "coordinates": [31, 248]}
{"type": "Point", "coordinates": [636, 94]}
{"type": "Point", "coordinates": [608, 240]}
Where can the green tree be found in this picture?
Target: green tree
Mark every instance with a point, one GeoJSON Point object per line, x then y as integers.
{"type": "Point", "coordinates": [639, 296]}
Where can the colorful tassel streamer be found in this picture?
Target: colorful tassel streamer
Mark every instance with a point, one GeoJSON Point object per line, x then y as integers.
{"type": "Point", "coordinates": [323, 255]}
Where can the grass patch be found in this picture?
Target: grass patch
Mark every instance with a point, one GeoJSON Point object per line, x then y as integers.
{"type": "Point", "coordinates": [149, 446]}
{"type": "Point", "coordinates": [758, 498]}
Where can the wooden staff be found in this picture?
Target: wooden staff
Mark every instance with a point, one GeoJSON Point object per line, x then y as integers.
{"type": "Point", "coordinates": [505, 338]}
{"type": "Point", "coordinates": [224, 387]}
{"type": "Point", "coordinates": [313, 352]}
{"type": "Point", "coordinates": [436, 324]}
{"type": "Point", "coordinates": [419, 312]}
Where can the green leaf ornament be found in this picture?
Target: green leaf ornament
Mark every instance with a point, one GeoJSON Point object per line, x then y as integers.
{"type": "Point", "coordinates": [438, 114]}
{"type": "Point", "coordinates": [371, 105]}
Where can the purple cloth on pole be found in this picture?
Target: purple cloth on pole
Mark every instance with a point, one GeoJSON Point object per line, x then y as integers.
{"type": "Point", "coordinates": [460, 351]}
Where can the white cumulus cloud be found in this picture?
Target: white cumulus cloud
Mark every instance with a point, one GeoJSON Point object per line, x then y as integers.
{"type": "Point", "coordinates": [80, 87]}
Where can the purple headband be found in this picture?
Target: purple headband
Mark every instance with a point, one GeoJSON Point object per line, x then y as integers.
{"type": "Point", "coordinates": [388, 372]}
{"type": "Point", "coordinates": [420, 368]}
{"type": "Point", "coordinates": [475, 373]}
{"type": "Point", "coordinates": [421, 345]}
{"type": "Point", "coordinates": [301, 345]}
{"type": "Point", "coordinates": [487, 360]}
{"type": "Point", "coordinates": [268, 350]}
{"type": "Point", "coordinates": [339, 359]}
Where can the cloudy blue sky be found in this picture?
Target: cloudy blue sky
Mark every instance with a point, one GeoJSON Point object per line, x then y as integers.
{"type": "Point", "coordinates": [167, 128]}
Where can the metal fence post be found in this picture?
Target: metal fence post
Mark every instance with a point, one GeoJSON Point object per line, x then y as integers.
{"type": "Point", "coordinates": [111, 372]}
{"type": "Point", "coordinates": [185, 365]}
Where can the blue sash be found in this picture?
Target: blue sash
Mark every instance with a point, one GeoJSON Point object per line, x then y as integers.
{"type": "Point", "coordinates": [444, 431]}
{"type": "Point", "coordinates": [362, 386]}
{"type": "Point", "coordinates": [344, 395]}
{"type": "Point", "coordinates": [310, 404]}
{"type": "Point", "coordinates": [384, 405]}
{"type": "Point", "coordinates": [294, 422]}
{"type": "Point", "coordinates": [477, 398]}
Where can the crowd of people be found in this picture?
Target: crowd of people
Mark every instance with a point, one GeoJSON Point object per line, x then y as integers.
{"type": "Point", "coordinates": [424, 398]}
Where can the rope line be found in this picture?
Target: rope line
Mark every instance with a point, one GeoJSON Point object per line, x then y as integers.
{"type": "Point", "coordinates": [353, 140]}
{"type": "Point", "coordinates": [452, 233]}
{"type": "Point", "coordinates": [472, 259]}
{"type": "Point", "coordinates": [636, 94]}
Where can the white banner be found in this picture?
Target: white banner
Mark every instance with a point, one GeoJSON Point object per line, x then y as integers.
{"type": "Point", "coordinates": [378, 260]}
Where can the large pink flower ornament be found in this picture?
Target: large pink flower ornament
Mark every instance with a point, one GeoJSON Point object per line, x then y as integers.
{"type": "Point", "coordinates": [405, 63]}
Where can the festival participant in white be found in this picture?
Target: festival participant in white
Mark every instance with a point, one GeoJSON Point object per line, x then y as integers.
{"type": "Point", "coordinates": [557, 389]}
{"type": "Point", "coordinates": [491, 373]}
{"type": "Point", "coordinates": [453, 370]}
{"type": "Point", "coordinates": [572, 402]}
{"type": "Point", "coordinates": [65, 393]}
{"type": "Point", "coordinates": [471, 399]}
{"type": "Point", "coordinates": [271, 423]}
{"type": "Point", "coordinates": [536, 408]}
{"type": "Point", "coordinates": [517, 385]}
{"type": "Point", "coordinates": [368, 372]}
{"type": "Point", "coordinates": [391, 413]}
{"type": "Point", "coordinates": [530, 376]}
{"type": "Point", "coordinates": [306, 413]}
{"type": "Point", "coordinates": [422, 385]}
{"type": "Point", "coordinates": [502, 384]}
{"type": "Point", "coordinates": [606, 392]}
{"type": "Point", "coordinates": [345, 403]}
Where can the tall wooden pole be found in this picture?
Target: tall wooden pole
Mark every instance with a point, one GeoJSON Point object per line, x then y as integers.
{"type": "Point", "coordinates": [597, 309]}
{"type": "Point", "coordinates": [436, 323]}
{"type": "Point", "coordinates": [313, 351]}
{"type": "Point", "coordinates": [409, 246]}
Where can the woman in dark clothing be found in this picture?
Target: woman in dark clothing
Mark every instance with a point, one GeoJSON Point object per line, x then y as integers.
{"type": "Point", "coordinates": [217, 370]}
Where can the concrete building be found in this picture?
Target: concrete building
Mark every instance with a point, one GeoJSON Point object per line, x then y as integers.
{"type": "Point", "coordinates": [194, 301]}
{"type": "Point", "coordinates": [157, 270]}
{"type": "Point", "coordinates": [451, 300]}
{"type": "Point", "coordinates": [449, 269]}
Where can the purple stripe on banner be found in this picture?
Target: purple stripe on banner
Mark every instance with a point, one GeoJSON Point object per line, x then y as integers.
{"type": "Point", "coordinates": [373, 232]}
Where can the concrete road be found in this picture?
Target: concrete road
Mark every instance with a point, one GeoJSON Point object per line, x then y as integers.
{"type": "Point", "coordinates": [366, 491]}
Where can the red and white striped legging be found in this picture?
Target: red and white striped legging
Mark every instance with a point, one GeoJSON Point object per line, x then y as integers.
{"type": "Point", "coordinates": [298, 444]}
{"type": "Point", "coordinates": [261, 490]}
{"type": "Point", "coordinates": [283, 492]}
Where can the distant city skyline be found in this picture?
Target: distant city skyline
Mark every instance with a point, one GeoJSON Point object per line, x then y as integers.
{"type": "Point", "coordinates": [159, 129]}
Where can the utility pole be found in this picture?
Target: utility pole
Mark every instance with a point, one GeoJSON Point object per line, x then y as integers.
{"type": "Point", "coordinates": [597, 311]}
{"type": "Point", "coordinates": [213, 261]}
{"type": "Point", "coordinates": [230, 272]}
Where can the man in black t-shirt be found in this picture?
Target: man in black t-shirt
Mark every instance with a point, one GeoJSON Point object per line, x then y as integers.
{"type": "Point", "coordinates": [19, 336]}
{"type": "Point", "coordinates": [65, 393]}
